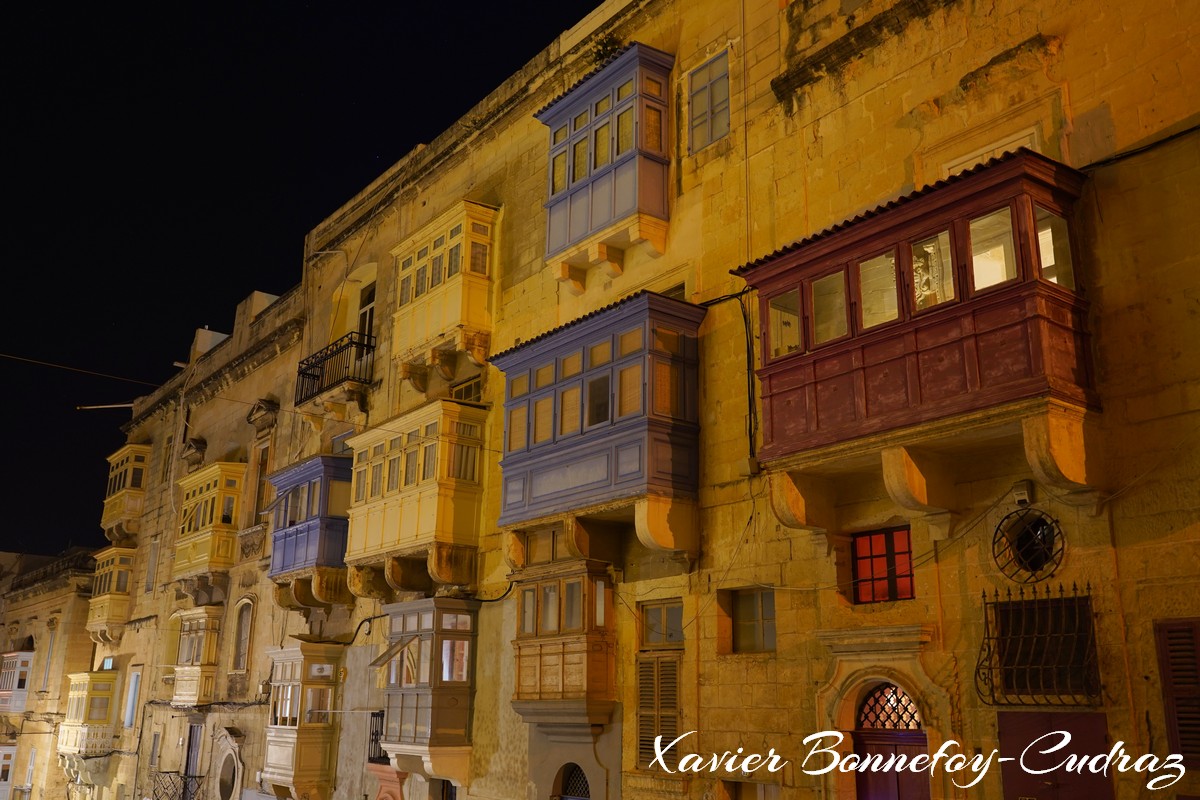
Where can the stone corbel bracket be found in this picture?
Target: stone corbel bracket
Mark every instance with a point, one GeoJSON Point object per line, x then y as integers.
{"type": "Point", "coordinates": [805, 503]}
{"type": "Point", "coordinates": [923, 485]}
{"type": "Point", "coordinates": [1056, 448]}
{"type": "Point", "coordinates": [668, 524]}
{"type": "Point", "coordinates": [416, 374]}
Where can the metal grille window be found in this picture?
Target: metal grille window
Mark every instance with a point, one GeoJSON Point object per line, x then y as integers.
{"type": "Point", "coordinates": [888, 707]}
{"type": "Point", "coordinates": [1038, 649]}
{"type": "Point", "coordinates": [575, 783]}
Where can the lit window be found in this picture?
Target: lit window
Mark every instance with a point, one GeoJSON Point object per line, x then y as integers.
{"type": "Point", "coordinates": [882, 566]}
{"type": "Point", "coordinates": [993, 256]}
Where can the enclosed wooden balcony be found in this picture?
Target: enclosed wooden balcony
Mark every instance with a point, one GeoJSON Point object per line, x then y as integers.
{"type": "Point", "coordinates": [108, 607]}
{"type": "Point", "coordinates": [950, 319]}
{"type": "Point", "coordinates": [445, 294]}
{"type": "Point", "coordinates": [416, 506]}
{"type": "Point", "coordinates": [608, 154]}
{"type": "Point", "coordinates": [301, 730]}
{"type": "Point", "coordinates": [14, 681]}
{"type": "Point", "coordinates": [206, 547]}
{"type": "Point", "coordinates": [126, 490]}
{"type": "Point", "coordinates": [601, 415]}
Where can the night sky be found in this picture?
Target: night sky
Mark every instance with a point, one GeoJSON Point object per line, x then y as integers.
{"type": "Point", "coordinates": [163, 162]}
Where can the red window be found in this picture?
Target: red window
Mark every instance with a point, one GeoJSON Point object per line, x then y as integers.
{"type": "Point", "coordinates": [882, 566]}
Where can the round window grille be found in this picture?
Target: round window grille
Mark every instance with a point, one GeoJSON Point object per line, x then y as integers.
{"type": "Point", "coordinates": [1028, 545]}
{"type": "Point", "coordinates": [887, 706]}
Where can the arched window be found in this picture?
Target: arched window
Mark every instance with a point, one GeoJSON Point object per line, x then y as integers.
{"type": "Point", "coordinates": [572, 783]}
{"type": "Point", "coordinates": [887, 707]}
{"type": "Point", "coordinates": [241, 645]}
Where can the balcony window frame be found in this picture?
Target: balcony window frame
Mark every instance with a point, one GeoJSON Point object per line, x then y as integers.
{"type": "Point", "coordinates": [893, 570]}
{"type": "Point", "coordinates": [953, 221]}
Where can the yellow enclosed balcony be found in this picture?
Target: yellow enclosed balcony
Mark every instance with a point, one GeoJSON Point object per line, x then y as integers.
{"type": "Point", "coordinates": [125, 493]}
{"type": "Point", "coordinates": [88, 730]}
{"type": "Point", "coordinates": [208, 528]}
{"type": "Point", "coordinates": [194, 639]}
{"type": "Point", "coordinates": [444, 273]}
{"type": "Point", "coordinates": [416, 498]}
{"type": "Point", "coordinates": [14, 681]}
{"type": "Point", "coordinates": [108, 608]}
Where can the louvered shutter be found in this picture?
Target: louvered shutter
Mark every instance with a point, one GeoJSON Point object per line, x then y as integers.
{"type": "Point", "coordinates": [658, 704]}
{"type": "Point", "coordinates": [1179, 664]}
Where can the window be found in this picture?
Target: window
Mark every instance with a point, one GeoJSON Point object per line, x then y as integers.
{"type": "Point", "coordinates": [708, 94]}
{"type": "Point", "coordinates": [1179, 669]}
{"type": "Point", "coordinates": [662, 624]}
{"type": "Point", "coordinates": [993, 255]}
{"type": "Point", "coordinates": [882, 566]}
{"type": "Point", "coordinates": [658, 707]}
{"type": "Point", "coordinates": [285, 693]}
{"type": "Point", "coordinates": [752, 614]}
{"type": "Point", "coordinates": [211, 498]}
{"type": "Point", "coordinates": [366, 310]}
{"type": "Point", "coordinates": [151, 566]}
{"type": "Point", "coordinates": [241, 638]}
{"type": "Point", "coordinates": [131, 697]}
{"type": "Point", "coordinates": [263, 493]}
{"type": "Point", "coordinates": [553, 606]}
{"type": "Point", "coordinates": [1038, 649]}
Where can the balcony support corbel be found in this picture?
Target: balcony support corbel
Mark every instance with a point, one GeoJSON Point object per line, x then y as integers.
{"type": "Point", "coordinates": [611, 258]}
{"type": "Point", "coordinates": [451, 564]}
{"type": "Point", "coordinates": [407, 574]}
{"type": "Point", "coordinates": [573, 277]}
{"type": "Point", "coordinates": [920, 483]}
{"type": "Point", "coordinates": [476, 344]}
{"type": "Point", "coordinates": [1055, 447]}
{"type": "Point", "coordinates": [416, 374]}
{"type": "Point", "coordinates": [803, 502]}
{"type": "Point", "coordinates": [329, 586]}
{"type": "Point", "coordinates": [445, 362]}
{"type": "Point", "coordinates": [368, 582]}
{"type": "Point", "coordinates": [665, 523]}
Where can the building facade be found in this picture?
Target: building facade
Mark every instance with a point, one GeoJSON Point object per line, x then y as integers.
{"type": "Point", "coordinates": [759, 377]}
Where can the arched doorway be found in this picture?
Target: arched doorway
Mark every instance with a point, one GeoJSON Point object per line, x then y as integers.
{"type": "Point", "coordinates": [888, 723]}
{"type": "Point", "coordinates": [571, 784]}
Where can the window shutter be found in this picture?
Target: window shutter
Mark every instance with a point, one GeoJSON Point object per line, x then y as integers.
{"type": "Point", "coordinates": [629, 388]}
{"type": "Point", "coordinates": [658, 703]}
{"type": "Point", "coordinates": [568, 412]}
{"type": "Point", "coordinates": [1179, 664]}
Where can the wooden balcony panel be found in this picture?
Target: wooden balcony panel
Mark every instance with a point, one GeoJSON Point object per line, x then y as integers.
{"type": "Point", "coordinates": [1024, 341]}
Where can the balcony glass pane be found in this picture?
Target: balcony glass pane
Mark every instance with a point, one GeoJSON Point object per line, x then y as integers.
{"type": "Point", "coordinates": [629, 390]}
{"type": "Point", "coordinates": [455, 660]}
{"type": "Point", "coordinates": [568, 411]}
{"type": "Point", "coordinates": [829, 307]}
{"type": "Point", "coordinates": [993, 257]}
{"type": "Point", "coordinates": [933, 271]}
{"type": "Point", "coordinates": [516, 427]}
{"type": "Point", "coordinates": [573, 605]}
{"type": "Point", "coordinates": [549, 618]}
{"type": "Point", "coordinates": [1054, 248]}
{"type": "Point", "coordinates": [543, 419]}
{"type": "Point", "coordinates": [598, 410]}
{"type": "Point", "coordinates": [877, 286]}
{"type": "Point", "coordinates": [783, 313]}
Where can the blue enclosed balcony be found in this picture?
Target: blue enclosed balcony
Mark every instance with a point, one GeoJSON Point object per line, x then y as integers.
{"type": "Point", "coordinates": [601, 418]}
{"type": "Point", "coordinates": [309, 519]}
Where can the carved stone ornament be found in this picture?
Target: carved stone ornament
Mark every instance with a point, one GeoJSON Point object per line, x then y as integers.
{"type": "Point", "coordinates": [262, 415]}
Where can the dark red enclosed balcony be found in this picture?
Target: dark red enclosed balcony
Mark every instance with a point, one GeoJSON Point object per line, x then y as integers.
{"type": "Point", "coordinates": [346, 363]}
{"type": "Point", "coordinates": [958, 298]}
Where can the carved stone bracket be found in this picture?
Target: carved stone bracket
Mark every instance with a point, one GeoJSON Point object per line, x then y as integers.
{"type": "Point", "coordinates": [445, 362]}
{"type": "Point", "coordinates": [367, 581]}
{"type": "Point", "coordinates": [432, 763]}
{"type": "Point", "coordinates": [803, 502]}
{"type": "Point", "coordinates": [208, 589]}
{"type": "Point", "coordinates": [329, 586]}
{"type": "Point", "coordinates": [192, 452]}
{"type": "Point", "coordinates": [476, 344]}
{"type": "Point", "coordinates": [1057, 452]}
{"type": "Point", "coordinates": [664, 523]}
{"type": "Point", "coordinates": [572, 277]}
{"type": "Point", "coordinates": [921, 483]}
{"type": "Point", "coordinates": [416, 374]}
{"type": "Point", "coordinates": [262, 415]}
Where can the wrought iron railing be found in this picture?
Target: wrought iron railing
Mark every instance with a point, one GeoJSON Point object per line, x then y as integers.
{"type": "Point", "coordinates": [1039, 649]}
{"type": "Point", "coordinates": [375, 752]}
{"type": "Point", "coordinates": [174, 786]}
{"type": "Point", "coordinates": [350, 358]}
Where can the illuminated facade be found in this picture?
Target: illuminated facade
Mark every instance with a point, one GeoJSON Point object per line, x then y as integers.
{"type": "Point", "coordinates": [745, 370]}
